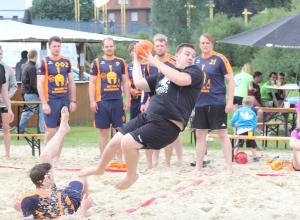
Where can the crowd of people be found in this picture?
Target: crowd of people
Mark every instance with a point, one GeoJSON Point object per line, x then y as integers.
{"type": "Point", "coordinates": [161, 92]}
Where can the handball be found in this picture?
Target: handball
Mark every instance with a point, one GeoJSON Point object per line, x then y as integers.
{"type": "Point", "coordinates": [142, 47]}
{"type": "Point", "coordinates": [276, 165]}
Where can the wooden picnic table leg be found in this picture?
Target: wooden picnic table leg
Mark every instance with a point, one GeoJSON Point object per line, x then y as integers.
{"type": "Point", "coordinates": [286, 119]}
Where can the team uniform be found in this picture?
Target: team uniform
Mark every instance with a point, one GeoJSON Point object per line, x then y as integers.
{"type": "Point", "coordinates": [57, 203]}
{"type": "Point", "coordinates": [152, 70]}
{"type": "Point", "coordinates": [212, 100]}
{"type": "Point", "coordinates": [2, 82]}
{"type": "Point", "coordinates": [153, 129]}
{"type": "Point", "coordinates": [136, 99]}
{"type": "Point", "coordinates": [55, 86]}
{"type": "Point", "coordinates": [241, 81]}
{"type": "Point", "coordinates": [108, 91]}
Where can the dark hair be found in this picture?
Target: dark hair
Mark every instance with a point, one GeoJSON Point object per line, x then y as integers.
{"type": "Point", "coordinates": [272, 73]}
{"type": "Point", "coordinates": [180, 46]}
{"type": "Point", "coordinates": [282, 74]}
{"type": "Point", "coordinates": [24, 54]}
{"type": "Point", "coordinates": [54, 38]}
{"type": "Point", "coordinates": [131, 47]}
{"type": "Point", "coordinates": [256, 74]}
{"type": "Point", "coordinates": [38, 172]}
{"type": "Point", "coordinates": [107, 39]}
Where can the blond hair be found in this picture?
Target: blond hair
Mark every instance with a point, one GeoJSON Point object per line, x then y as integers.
{"type": "Point", "coordinates": [248, 100]}
{"type": "Point", "coordinates": [209, 37]}
{"type": "Point", "coordinates": [247, 68]}
{"type": "Point", "coordinates": [160, 37]}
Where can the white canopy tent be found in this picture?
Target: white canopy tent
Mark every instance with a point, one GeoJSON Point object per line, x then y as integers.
{"type": "Point", "coordinates": [13, 31]}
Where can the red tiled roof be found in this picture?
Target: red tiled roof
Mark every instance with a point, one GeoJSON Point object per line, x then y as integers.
{"type": "Point", "coordinates": [133, 4]}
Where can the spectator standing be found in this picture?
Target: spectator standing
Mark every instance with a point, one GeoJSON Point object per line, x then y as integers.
{"type": "Point", "coordinates": [19, 65]}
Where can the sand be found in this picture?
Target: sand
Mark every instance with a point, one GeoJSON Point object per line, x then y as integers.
{"type": "Point", "coordinates": [179, 193]}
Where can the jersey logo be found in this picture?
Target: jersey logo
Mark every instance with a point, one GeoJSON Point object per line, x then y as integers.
{"type": "Point", "coordinates": [213, 61]}
{"type": "Point", "coordinates": [246, 116]}
{"type": "Point", "coordinates": [117, 63]}
{"type": "Point", "coordinates": [197, 61]}
{"type": "Point", "coordinates": [102, 62]}
{"type": "Point", "coordinates": [163, 86]}
{"type": "Point", "coordinates": [59, 80]}
{"type": "Point", "coordinates": [50, 62]}
{"type": "Point", "coordinates": [111, 76]}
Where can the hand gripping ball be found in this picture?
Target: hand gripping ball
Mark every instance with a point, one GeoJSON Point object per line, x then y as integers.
{"type": "Point", "coordinates": [142, 47]}
{"type": "Point", "coordinates": [276, 165]}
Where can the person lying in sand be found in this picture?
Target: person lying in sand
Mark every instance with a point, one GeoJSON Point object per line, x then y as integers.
{"type": "Point", "coordinates": [174, 94]}
{"type": "Point", "coordinates": [47, 201]}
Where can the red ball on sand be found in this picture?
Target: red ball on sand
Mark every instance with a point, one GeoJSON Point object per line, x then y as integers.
{"type": "Point", "coordinates": [143, 46]}
{"type": "Point", "coordinates": [241, 158]}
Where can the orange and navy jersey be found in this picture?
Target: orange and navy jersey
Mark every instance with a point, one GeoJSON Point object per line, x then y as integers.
{"type": "Point", "coordinates": [46, 207]}
{"type": "Point", "coordinates": [109, 77]}
{"type": "Point", "coordinates": [130, 67]}
{"type": "Point", "coordinates": [214, 67]}
{"type": "Point", "coordinates": [56, 72]}
{"type": "Point", "coordinates": [151, 70]}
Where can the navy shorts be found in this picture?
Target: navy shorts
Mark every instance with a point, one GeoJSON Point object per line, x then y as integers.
{"type": "Point", "coordinates": [211, 117]}
{"type": "Point", "coordinates": [53, 120]}
{"type": "Point", "coordinates": [110, 113]}
{"type": "Point", "coordinates": [151, 131]}
{"type": "Point", "coordinates": [249, 143]}
{"type": "Point", "coordinates": [74, 191]}
{"type": "Point", "coordinates": [135, 107]}
{"type": "Point", "coordinates": [238, 100]}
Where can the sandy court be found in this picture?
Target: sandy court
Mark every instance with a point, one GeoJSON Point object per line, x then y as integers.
{"type": "Point", "coordinates": [180, 193]}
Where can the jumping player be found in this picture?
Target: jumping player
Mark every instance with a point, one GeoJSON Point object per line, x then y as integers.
{"type": "Point", "coordinates": [174, 95]}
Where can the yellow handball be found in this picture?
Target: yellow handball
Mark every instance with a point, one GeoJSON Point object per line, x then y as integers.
{"type": "Point", "coordinates": [276, 165]}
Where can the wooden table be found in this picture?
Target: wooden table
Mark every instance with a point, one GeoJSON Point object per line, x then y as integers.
{"type": "Point", "coordinates": [284, 112]}
{"type": "Point", "coordinates": [286, 87]}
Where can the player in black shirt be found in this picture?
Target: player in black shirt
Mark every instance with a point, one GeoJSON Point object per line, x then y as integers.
{"type": "Point", "coordinates": [174, 94]}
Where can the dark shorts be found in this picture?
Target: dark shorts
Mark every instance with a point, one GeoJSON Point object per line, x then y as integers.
{"type": "Point", "coordinates": [238, 100]}
{"type": "Point", "coordinates": [110, 113]}
{"type": "Point", "coordinates": [249, 143]}
{"type": "Point", "coordinates": [53, 120]}
{"type": "Point", "coordinates": [135, 107]}
{"type": "Point", "coordinates": [211, 117]}
{"type": "Point", "coordinates": [151, 131]}
{"type": "Point", "coordinates": [74, 191]}
{"type": "Point", "coordinates": [2, 110]}
{"type": "Point", "coordinates": [254, 109]}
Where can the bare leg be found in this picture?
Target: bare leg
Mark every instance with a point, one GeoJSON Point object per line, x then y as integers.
{"type": "Point", "coordinates": [178, 148]}
{"type": "Point", "coordinates": [109, 153]}
{"type": "Point", "coordinates": [227, 149]}
{"type": "Point", "coordinates": [119, 154]}
{"type": "Point", "coordinates": [200, 148]}
{"type": "Point", "coordinates": [253, 151]}
{"type": "Point", "coordinates": [296, 159]}
{"type": "Point", "coordinates": [5, 125]}
{"type": "Point", "coordinates": [56, 162]}
{"type": "Point", "coordinates": [103, 139]}
{"type": "Point", "coordinates": [155, 158]}
{"type": "Point", "coordinates": [168, 153]}
{"type": "Point", "coordinates": [53, 146]}
{"type": "Point", "coordinates": [130, 149]}
{"type": "Point", "coordinates": [148, 154]}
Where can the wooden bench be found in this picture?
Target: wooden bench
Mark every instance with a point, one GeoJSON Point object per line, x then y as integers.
{"type": "Point", "coordinates": [244, 137]}
{"type": "Point", "coordinates": [34, 140]}
{"type": "Point", "coordinates": [270, 126]}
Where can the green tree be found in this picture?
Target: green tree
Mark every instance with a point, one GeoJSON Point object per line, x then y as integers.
{"type": "Point", "coordinates": [169, 17]}
{"type": "Point", "coordinates": [61, 9]}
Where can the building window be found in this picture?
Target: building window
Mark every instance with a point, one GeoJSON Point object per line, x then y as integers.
{"type": "Point", "coordinates": [111, 16]}
{"type": "Point", "coordinates": [134, 16]}
{"type": "Point", "coordinates": [126, 2]}
{"type": "Point", "coordinates": [15, 18]}
{"type": "Point", "coordinates": [1, 17]}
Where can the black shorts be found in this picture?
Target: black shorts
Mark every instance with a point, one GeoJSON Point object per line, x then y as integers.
{"type": "Point", "coordinates": [2, 110]}
{"type": "Point", "coordinates": [211, 117]}
{"type": "Point", "coordinates": [249, 143]}
{"type": "Point", "coordinates": [238, 100]}
{"type": "Point", "coordinates": [151, 131]}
